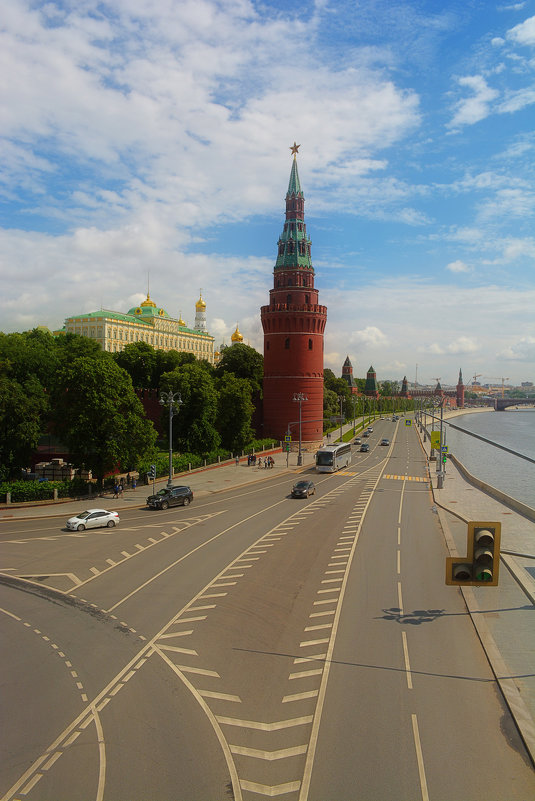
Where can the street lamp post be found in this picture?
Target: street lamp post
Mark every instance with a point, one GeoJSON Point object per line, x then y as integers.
{"type": "Point", "coordinates": [341, 399]}
{"type": "Point", "coordinates": [173, 400]}
{"type": "Point", "coordinates": [300, 398]}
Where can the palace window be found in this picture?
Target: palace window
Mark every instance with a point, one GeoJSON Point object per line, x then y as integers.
{"type": "Point", "coordinates": [287, 343]}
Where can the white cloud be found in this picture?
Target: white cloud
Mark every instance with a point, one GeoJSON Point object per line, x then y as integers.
{"type": "Point", "coordinates": [522, 350]}
{"type": "Point", "coordinates": [524, 33]}
{"type": "Point", "coordinates": [458, 267]}
{"type": "Point", "coordinates": [371, 336]}
{"type": "Point", "coordinates": [478, 106]}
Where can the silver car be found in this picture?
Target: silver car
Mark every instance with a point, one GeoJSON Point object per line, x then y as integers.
{"type": "Point", "coordinates": [93, 518]}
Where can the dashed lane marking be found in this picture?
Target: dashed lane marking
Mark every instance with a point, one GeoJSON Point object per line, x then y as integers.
{"type": "Point", "coordinates": [406, 478]}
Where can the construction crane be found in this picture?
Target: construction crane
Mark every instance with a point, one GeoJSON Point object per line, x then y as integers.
{"type": "Point", "coordinates": [475, 377]}
{"type": "Point", "coordinates": [499, 378]}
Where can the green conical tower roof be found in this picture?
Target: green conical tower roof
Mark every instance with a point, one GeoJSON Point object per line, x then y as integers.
{"type": "Point", "coordinates": [294, 244]}
{"type": "Point", "coordinates": [371, 387]}
{"type": "Point", "coordinates": [294, 186]}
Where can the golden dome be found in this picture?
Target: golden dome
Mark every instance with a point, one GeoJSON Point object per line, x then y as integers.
{"type": "Point", "coordinates": [236, 336]}
{"type": "Point", "coordinates": [200, 305]}
{"type": "Point", "coordinates": [148, 302]}
{"type": "Point", "coordinates": [180, 320]}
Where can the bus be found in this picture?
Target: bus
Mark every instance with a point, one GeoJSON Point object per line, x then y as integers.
{"type": "Point", "coordinates": [330, 458]}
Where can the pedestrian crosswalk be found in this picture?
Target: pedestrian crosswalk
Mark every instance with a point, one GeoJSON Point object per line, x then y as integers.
{"type": "Point", "coordinates": [406, 478]}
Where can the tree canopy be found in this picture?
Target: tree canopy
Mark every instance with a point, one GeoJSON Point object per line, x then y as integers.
{"type": "Point", "coordinates": [244, 362]}
{"type": "Point", "coordinates": [98, 416]}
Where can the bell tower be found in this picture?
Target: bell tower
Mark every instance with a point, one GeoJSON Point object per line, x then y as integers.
{"type": "Point", "coordinates": [294, 325]}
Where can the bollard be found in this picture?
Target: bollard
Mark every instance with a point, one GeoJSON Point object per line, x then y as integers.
{"type": "Point", "coordinates": [440, 480]}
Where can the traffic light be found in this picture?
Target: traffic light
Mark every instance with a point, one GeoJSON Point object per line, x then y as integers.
{"type": "Point", "coordinates": [481, 566]}
{"type": "Point", "coordinates": [152, 471]}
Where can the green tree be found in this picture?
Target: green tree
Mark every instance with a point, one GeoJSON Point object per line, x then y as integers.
{"type": "Point", "coordinates": [194, 427]}
{"type": "Point", "coordinates": [244, 362]}
{"type": "Point", "coordinates": [23, 416]}
{"type": "Point", "coordinates": [389, 388]}
{"type": "Point", "coordinates": [31, 354]}
{"type": "Point", "coordinates": [234, 412]}
{"type": "Point", "coordinates": [140, 361]}
{"type": "Point", "coordinates": [98, 416]}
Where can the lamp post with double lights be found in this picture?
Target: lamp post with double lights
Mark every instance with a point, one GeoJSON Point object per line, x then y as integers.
{"type": "Point", "coordinates": [300, 398]}
{"type": "Point", "coordinates": [174, 401]}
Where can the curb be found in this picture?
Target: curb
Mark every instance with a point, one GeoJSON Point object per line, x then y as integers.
{"type": "Point", "coordinates": [515, 703]}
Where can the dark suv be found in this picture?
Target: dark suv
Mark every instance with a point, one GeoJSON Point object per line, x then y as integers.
{"type": "Point", "coordinates": [170, 496]}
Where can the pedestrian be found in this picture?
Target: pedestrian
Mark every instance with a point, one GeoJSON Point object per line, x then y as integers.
{"type": "Point", "coordinates": [134, 483]}
{"type": "Point", "coordinates": [237, 460]}
{"type": "Point", "coordinates": [259, 462]}
{"type": "Point", "coordinates": [128, 479]}
{"type": "Point", "coordinates": [116, 490]}
{"type": "Point", "coordinates": [266, 463]}
{"type": "Point", "coordinates": [121, 488]}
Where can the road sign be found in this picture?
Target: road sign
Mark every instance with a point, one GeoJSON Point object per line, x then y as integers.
{"type": "Point", "coordinates": [287, 438]}
{"type": "Point", "coordinates": [408, 422]}
{"type": "Point", "coordinates": [444, 449]}
{"type": "Point", "coordinates": [435, 439]}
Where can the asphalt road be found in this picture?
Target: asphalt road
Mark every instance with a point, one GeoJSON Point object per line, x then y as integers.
{"type": "Point", "coordinates": [252, 645]}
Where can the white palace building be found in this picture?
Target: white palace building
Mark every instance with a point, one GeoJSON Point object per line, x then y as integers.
{"type": "Point", "coordinates": [145, 323]}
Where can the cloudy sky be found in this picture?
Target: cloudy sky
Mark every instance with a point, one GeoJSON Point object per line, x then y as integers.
{"type": "Point", "coordinates": [152, 138]}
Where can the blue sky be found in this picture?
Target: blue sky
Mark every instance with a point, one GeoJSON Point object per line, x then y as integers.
{"type": "Point", "coordinates": [154, 138]}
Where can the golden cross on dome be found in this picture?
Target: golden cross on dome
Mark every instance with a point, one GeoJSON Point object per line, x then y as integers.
{"type": "Point", "coordinates": [294, 148]}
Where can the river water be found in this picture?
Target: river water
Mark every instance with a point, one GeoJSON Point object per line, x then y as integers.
{"type": "Point", "coordinates": [506, 472]}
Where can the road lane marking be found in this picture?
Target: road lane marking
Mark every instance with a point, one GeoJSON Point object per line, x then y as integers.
{"type": "Point", "coordinates": [266, 789]}
{"type": "Point", "coordinates": [305, 674]}
{"type": "Point", "coordinates": [407, 662]}
{"type": "Point", "coordinates": [287, 699]}
{"type": "Point", "coordinates": [419, 758]}
{"type": "Point", "coordinates": [256, 753]}
{"type": "Point", "coordinates": [400, 599]}
{"type": "Point", "coordinates": [259, 725]}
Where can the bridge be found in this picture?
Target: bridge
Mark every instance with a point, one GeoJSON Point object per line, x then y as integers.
{"type": "Point", "coordinates": [500, 404]}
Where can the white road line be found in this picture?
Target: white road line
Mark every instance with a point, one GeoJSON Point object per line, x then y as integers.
{"type": "Point", "coordinates": [287, 699]}
{"type": "Point", "coordinates": [282, 753]}
{"type": "Point", "coordinates": [407, 663]}
{"type": "Point", "coordinates": [419, 758]}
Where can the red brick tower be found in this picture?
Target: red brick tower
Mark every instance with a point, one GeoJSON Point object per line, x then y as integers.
{"type": "Point", "coordinates": [293, 324]}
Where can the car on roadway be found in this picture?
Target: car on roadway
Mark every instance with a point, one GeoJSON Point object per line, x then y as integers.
{"type": "Point", "coordinates": [170, 496]}
{"type": "Point", "coordinates": [364, 448]}
{"type": "Point", "coordinates": [302, 489]}
{"type": "Point", "coordinates": [365, 433]}
{"type": "Point", "coordinates": [357, 441]}
{"type": "Point", "coordinates": [369, 430]}
{"type": "Point", "coordinates": [93, 518]}
{"type": "Point", "coordinates": [385, 441]}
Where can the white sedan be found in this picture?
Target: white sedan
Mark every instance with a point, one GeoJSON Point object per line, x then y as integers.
{"type": "Point", "coordinates": [93, 518]}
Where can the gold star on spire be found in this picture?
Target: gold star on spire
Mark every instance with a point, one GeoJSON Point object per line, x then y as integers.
{"type": "Point", "coordinates": [294, 148]}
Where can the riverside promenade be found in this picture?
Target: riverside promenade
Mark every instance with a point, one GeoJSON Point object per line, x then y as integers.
{"type": "Point", "coordinates": [503, 616]}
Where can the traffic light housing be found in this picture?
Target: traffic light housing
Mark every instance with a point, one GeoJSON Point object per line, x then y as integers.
{"type": "Point", "coordinates": [481, 566]}
{"type": "Point", "coordinates": [152, 471]}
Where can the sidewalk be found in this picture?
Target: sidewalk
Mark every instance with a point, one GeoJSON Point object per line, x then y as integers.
{"type": "Point", "coordinates": [504, 616]}
{"type": "Point", "coordinates": [203, 481]}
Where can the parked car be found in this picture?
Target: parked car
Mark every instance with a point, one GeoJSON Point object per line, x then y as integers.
{"type": "Point", "coordinates": [303, 489]}
{"type": "Point", "coordinates": [385, 441]}
{"type": "Point", "coordinates": [170, 496]}
{"type": "Point", "coordinates": [364, 448]}
{"type": "Point", "coordinates": [93, 518]}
